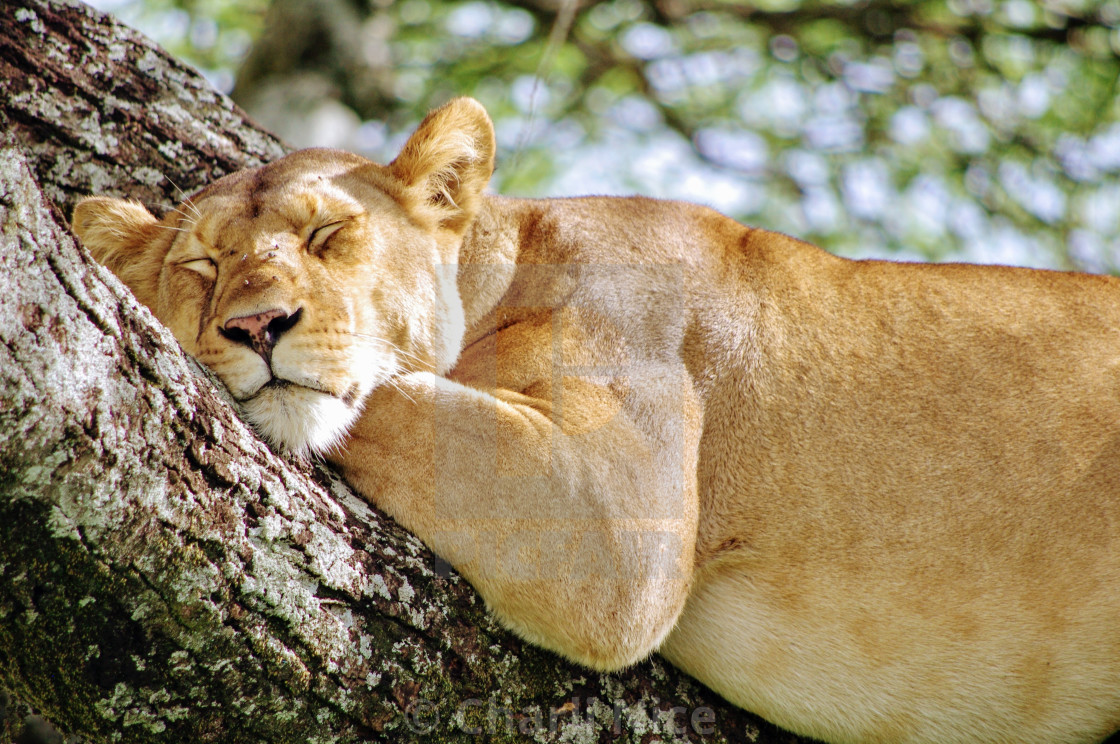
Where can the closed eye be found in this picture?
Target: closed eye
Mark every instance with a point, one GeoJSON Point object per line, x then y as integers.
{"type": "Point", "coordinates": [204, 266]}
{"type": "Point", "coordinates": [321, 235]}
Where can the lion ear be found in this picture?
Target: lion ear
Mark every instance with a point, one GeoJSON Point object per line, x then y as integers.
{"type": "Point", "coordinates": [124, 237]}
{"type": "Point", "coordinates": [448, 161]}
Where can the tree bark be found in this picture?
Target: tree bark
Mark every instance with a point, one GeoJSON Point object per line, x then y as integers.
{"type": "Point", "coordinates": [164, 576]}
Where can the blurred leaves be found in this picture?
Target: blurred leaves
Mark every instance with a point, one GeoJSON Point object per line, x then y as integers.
{"type": "Point", "coordinates": [979, 129]}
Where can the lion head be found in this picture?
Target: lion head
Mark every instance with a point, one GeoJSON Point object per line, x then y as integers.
{"type": "Point", "coordinates": [308, 282]}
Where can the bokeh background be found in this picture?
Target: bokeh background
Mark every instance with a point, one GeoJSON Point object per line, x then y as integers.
{"type": "Point", "coordinates": [980, 130]}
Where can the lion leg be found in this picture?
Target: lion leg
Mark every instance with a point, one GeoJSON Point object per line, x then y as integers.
{"type": "Point", "coordinates": [579, 542]}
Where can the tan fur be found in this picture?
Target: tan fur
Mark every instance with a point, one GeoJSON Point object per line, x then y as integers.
{"type": "Point", "coordinates": [873, 502]}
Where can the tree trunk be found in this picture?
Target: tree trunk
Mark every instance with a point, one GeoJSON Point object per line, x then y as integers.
{"type": "Point", "coordinates": [164, 576]}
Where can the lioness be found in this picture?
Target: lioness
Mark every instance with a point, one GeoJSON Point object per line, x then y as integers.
{"type": "Point", "coordinates": [872, 502]}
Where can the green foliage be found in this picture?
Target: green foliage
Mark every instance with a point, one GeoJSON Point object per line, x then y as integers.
{"type": "Point", "coordinates": [979, 129]}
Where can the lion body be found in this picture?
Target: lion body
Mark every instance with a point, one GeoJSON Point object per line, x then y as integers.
{"type": "Point", "coordinates": [871, 502]}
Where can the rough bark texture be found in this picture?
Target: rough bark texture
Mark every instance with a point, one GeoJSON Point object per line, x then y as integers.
{"type": "Point", "coordinates": [164, 576]}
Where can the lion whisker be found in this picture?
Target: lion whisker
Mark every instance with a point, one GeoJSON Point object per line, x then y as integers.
{"type": "Point", "coordinates": [196, 210]}
{"type": "Point", "coordinates": [186, 217]}
{"type": "Point", "coordinates": [186, 199]}
{"type": "Point", "coordinates": [391, 345]}
{"type": "Point", "coordinates": [400, 390]}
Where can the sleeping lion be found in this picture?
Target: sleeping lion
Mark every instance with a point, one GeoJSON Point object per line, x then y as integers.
{"type": "Point", "coordinates": [872, 502]}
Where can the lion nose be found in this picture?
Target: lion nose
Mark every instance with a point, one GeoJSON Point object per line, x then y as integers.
{"type": "Point", "coordinates": [261, 331]}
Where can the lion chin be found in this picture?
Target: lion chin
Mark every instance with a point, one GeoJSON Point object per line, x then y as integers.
{"type": "Point", "coordinates": [299, 420]}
